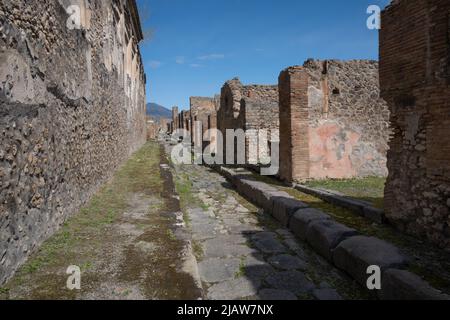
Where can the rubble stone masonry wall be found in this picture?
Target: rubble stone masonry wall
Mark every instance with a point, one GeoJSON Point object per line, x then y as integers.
{"type": "Point", "coordinates": [415, 78]}
{"type": "Point", "coordinates": [344, 131]}
{"type": "Point", "coordinates": [249, 107]}
{"type": "Point", "coordinates": [72, 109]}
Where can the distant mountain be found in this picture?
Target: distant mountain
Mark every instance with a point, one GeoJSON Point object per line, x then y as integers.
{"type": "Point", "coordinates": [157, 111]}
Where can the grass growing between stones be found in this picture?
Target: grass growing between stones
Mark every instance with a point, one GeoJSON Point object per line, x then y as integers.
{"type": "Point", "coordinates": [370, 189]}
{"type": "Point", "coordinates": [81, 235]}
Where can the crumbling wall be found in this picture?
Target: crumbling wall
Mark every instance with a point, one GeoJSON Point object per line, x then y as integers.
{"type": "Point", "coordinates": [71, 110]}
{"type": "Point", "coordinates": [415, 78]}
{"type": "Point", "coordinates": [249, 108]}
{"type": "Point", "coordinates": [347, 122]}
{"type": "Point", "coordinates": [175, 119]}
{"type": "Point", "coordinates": [203, 109]}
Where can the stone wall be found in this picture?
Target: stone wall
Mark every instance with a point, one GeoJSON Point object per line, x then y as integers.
{"type": "Point", "coordinates": [203, 109]}
{"type": "Point", "coordinates": [248, 107]}
{"type": "Point", "coordinates": [72, 109]}
{"type": "Point", "coordinates": [344, 131]}
{"type": "Point", "coordinates": [175, 120]}
{"type": "Point", "coordinates": [415, 78]}
{"type": "Point", "coordinates": [153, 128]}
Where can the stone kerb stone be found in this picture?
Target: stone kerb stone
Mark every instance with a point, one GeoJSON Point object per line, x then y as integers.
{"type": "Point", "coordinates": [356, 254]}
{"type": "Point", "coordinates": [404, 285]}
{"type": "Point", "coordinates": [303, 218]}
{"type": "Point", "coordinates": [284, 208]}
{"type": "Point", "coordinates": [342, 246]}
{"type": "Point", "coordinates": [325, 236]}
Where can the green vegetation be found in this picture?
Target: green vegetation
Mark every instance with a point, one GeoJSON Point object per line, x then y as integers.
{"type": "Point", "coordinates": [198, 249]}
{"type": "Point", "coordinates": [370, 189]}
{"type": "Point", "coordinates": [84, 230]}
{"type": "Point", "coordinates": [242, 270]}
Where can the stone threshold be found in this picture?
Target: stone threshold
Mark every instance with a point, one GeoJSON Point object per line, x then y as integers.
{"type": "Point", "coordinates": [342, 246]}
{"type": "Point", "coordinates": [361, 208]}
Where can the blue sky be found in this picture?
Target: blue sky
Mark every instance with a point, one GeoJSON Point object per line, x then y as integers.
{"type": "Point", "coordinates": [196, 45]}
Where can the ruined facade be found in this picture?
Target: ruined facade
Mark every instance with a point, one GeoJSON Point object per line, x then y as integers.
{"type": "Point", "coordinates": [203, 109]}
{"type": "Point", "coordinates": [333, 122]}
{"type": "Point", "coordinates": [248, 108]}
{"type": "Point", "coordinates": [72, 108]}
{"type": "Point", "coordinates": [415, 79]}
{"type": "Point", "coordinates": [175, 117]}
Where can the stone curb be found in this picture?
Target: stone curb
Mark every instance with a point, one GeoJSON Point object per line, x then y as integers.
{"type": "Point", "coordinates": [361, 208]}
{"type": "Point", "coordinates": [340, 245]}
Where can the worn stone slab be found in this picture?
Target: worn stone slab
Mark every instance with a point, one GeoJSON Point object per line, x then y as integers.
{"type": "Point", "coordinates": [234, 289]}
{"type": "Point", "coordinates": [264, 235]}
{"type": "Point", "coordinates": [221, 248]}
{"type": "Point", "coordinates": [218, 270]}
{"type": "Point", "coordinates": [302, 218]}
{"type": "Point", "coordinates": [270, 245]}
{"type": "Point", "coordinates": [327, 294]}
{"type": "Point", "coordinates": [356, 254]}
{"type": "Point", "coordinates": [288, 262]}
{"type": "Point", "coordinates": [325, 235]}
{"type": "Point", "coordinates": [255, 267]}
{"type": "Point", "coordinates": [293, 281]}
{"type": "Point", "coordinates": [204, 231]}
{"type": "Point", "coordinates": [404, 285]}
{"type": "Point", "coordinates": [259, 193]}
{"type": "Point", "coordinates": [245, 229]}
{"type": "Point", "coordinates": [284, 208]}
{"type": "Point", "coordinates": [276, 295]}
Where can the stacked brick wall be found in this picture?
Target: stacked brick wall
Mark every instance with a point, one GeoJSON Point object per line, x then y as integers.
{"type": "Point", "coordinates": [415, 78]}
{"type": "Point", "coordinates": [72, 109]}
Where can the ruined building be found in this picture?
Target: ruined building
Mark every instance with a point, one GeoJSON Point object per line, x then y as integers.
{"type": "Point", "coordinates": [203, 110]}
{"type": "Point", "coordinates": [415, 79]}
{"type": "Point", "coordinates": [333, 122]}
{"type": "Point", "coordinates": [175, 122]}
{"type": "Point", "coordinates": [248, 107]}
{"type": "Point", "coordinates": [72, 109]}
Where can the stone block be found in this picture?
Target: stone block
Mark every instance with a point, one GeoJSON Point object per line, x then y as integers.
{"type": "Point", "coordinates": [284, 208]}
{"type": "Point", "coordinates": [302, 219]}
{"type": "Point", "coordinates": [404, 285]}
{"type": "Point", "coordinates": [356, 254]}
{"type": "Point", "coordinates": [325, 235]}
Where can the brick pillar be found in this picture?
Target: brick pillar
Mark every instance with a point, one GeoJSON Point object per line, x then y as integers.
{"type": "Point", "coordinates": [175, 118]}
{"type": "Point", "coordinates": [415, 78]}
{"type": "Point", "coordinates": [294, 141]}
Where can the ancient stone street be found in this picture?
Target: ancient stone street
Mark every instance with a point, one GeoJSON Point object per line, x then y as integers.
{"type": "Point", "coordinates": [197, 150]}
{"type": "Point", "coordinates": [243, 253]}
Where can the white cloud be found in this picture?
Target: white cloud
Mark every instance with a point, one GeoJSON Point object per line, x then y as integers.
{"type": "Point", "coordinates": [154, 64]}
{"type": "Point", "coordinates": [214, 56]}
{"type": "Point", "coordinates": [180, 60]}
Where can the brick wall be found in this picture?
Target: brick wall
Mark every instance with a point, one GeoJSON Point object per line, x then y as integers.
{"type": "Point", "coordinates": [203, 109]}
{"type": "Point", "coordinates": [414, 72]}
{"type": "Point", "coordinates": [294, 115]}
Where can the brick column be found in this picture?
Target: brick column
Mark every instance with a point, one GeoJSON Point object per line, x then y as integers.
{"type": "Point", "coordinates": [175, 118]}
{"type": "Point", "coordinates": [294, 138]}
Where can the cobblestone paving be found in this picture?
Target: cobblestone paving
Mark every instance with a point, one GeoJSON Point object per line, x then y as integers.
{"type": "Point", "coordinates": [244, 254]}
